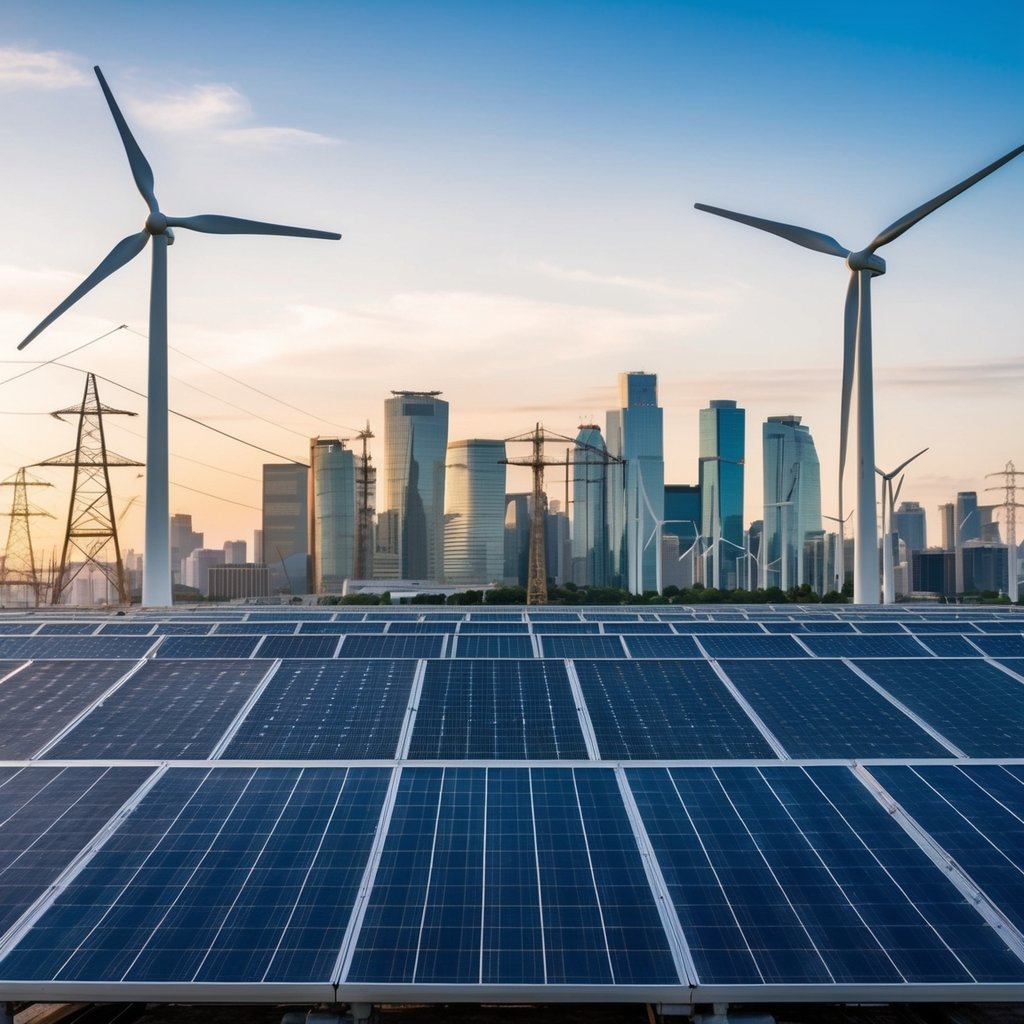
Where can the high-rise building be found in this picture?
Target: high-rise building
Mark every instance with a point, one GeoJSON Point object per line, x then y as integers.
{"type": "Point", "coordinates": [234, 552]}
{"type": "Point", "coordinates": [557, 544]}
{"type": "Point", "coordinates": [415, 448]}
{"type": "Point", "coordinates": [967, 527]}
{"type": "Point", "coordinates": [184, 540]}
{"type": "Point", "coordinates": [637, 492]}
{"type": "Point", "coordinates": [332, 514]}
{"type": "Point", "coordinates": [933, 571]}
{"type": "Point", "coordinates": [196, 568]}
{"type": "Point", "coordinates": [285, 526]}
{"type": "Point", "coordinates": [985, 567]}
{"type": "Point", "coordinates": [591, 556]}
{"type": "Point", "coordinates": [909, 522]}
{"type": "Point", "coordinates": [239, 580]}
{"type": "Point", "coordinates": [517, 538]}
{"type": "Point", "coordinates": [792, 497]}
{"type": "Point", "coordinates": [682, 522]}
{"type": "Point", "coordinates": [257, 548]}
{"type": "Point", "coordinates": [474, 512]}
{"type": "Point", "coordinates": [722, 452]}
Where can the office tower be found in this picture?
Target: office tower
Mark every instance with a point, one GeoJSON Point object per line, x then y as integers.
{"type": "Point", "coordinates": [636, 502]}
{"type": "Point", "coordinates": [239, 580]}
{"type": "Point", "coordinates": [721, 453]}
{"type": "Point", "coordinates": [196, 568]}
{"type": "Point", "coordinates": [474, 512]}
{"type": "Point", "coordinates": [415, 446]}
{"type": "Point", "coordinates": [947, 525]}
{"type": "Point", "coordinates": [285, 526]}
{"type": "Point", "coordinates": [988, 525]}
{"type": "Point", "coordinates": [184, 540]}
{"type": "Point", "coordinates": [909, 522]}
{"type": "Point", "coordinates": [967, 527]}
{"type": "Point", "coordinates": [332, 514]}
{"type": "Point", "coordinates": [557, 543]}
{"type": "Point", "coordinates": [234, 552]}
{"type": "Point", "coordinates": [792, 497]}
{"type": "Point", "coordinates": [682, 523]}
{"type": "Point", "coordinates": [591, 558]}
{"type": "Point", "coordinates": [517, 538]}
{"type": "Point", "coordinates": [934, 572]}
{"type": "Point", "coordinates": [257, 548]}
{"type": "Point", "coordinates": [985, 568]}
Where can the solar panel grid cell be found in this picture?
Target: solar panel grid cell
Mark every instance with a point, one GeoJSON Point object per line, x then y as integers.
{"type": "Point", "coordinates": [722, 646]}
{"type": "Point", "coordinates": [72, 647]}
{"type": "Point", "coordinates": [582, 647]}
{"type": "Point", "coordinates": [392, 646]}
{"type": "Point", "coordinates": [207, 647]}
{"type": "Point", "coordinates": [869, 646]}
{"type": "Point", "coordinates": [663, 647]}
{"type": "Point", "coordinates": [494, 646]}
{"type": "Point", "coordinates": [299, 646]}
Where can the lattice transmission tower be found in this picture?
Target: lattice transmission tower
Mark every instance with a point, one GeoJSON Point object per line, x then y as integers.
{"type": "Point", "coordinates": [1010, 507]}
{"type": "Point", "coordinates": [92, 526]}
{"type": "Point", "coordinates": [20, 580]}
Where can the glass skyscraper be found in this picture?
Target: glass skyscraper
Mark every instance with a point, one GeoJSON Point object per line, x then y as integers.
{"type": "Point", "coordinates": [636, 491]}
{"type": "Point", "coordinates": [474, 512]}
{"type": "Point", "coordinates": [721, 452]}
{"type": "Point", "coordinates": [910, 523]}
{"type": "Point", "coordinates": [285, 526]}
{"type": "Point", "coordinates": [415, 448]}
{"type": "Point", "coordinates": [591, 556]}
{"type": "Point", "coordinates": [332, 514]}
{"type": "Point", "coordinates": [792, 498]}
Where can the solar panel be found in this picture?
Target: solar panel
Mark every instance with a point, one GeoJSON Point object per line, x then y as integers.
{"type": "Point", "coordinates": [971, 703]}
{"type": "Point", "coordinates": [67, 628]}
{"type": "Point", "coordinates": [752, 646]}
{"type": "Point", "coordinates": [327, 710]}
{"type": "Point", "coordinates": [493, 646]}
{"type": "Point", "coordinates": [582, 647]}
{"type": "Point", "coordinates": [126, 629]}
{"type": "Point", "coordinates": [552, 617]}
{"type": "Point", "coordinates": [700, 628]}
{"type": "Point", "coordinates": [1003, 624]}
{"type": "Point", "coordinates": [1001, 646]}
{"type": "Point", "coordinates": [500, 710]}
{"type": "Point", "coordinates": [806, 880]}
{"type": "Point", "coordinates": [651, 628]}
{"type": "Point", "coordinates": [183, 628]}
{"type": "Point", "coordinates": [47, 815]}
{"type": "Point", "coordinates": [391, 646]}
{"type": "Point", "coordinates": [576, 628]}
{"type": "Point", "coordinates": [942, 626]}
{"type": "Point", "coordinates": [822, 709]}
{"type": "Point", "coordinates": [421, 627]}
{"type": "Point", "coordinates": [206, 647]}
{"type": "Point", "coordinates": [871, 646]}
{"type": "Point", "coordinates": [828, 626]}
{"type": "Point", "coordinates": [514, 876]}
{"type": "Point", "coordinates": [223, 891]}
{"type": "Point", "coordinates": [336, 628]}
{"type": "Point", "coordinates": [165, 710]}
{"type": "Point", "coordinates": [299, 647]}
{"type": "Point", "coordinates": [665, 710]}
{"type": "Point", "coordinates": [944, 645]}
{"type": "Point", "coordinates": [17, 628]}
{"type": "Point", "coordinates": [493, 627]}
{"type": "Point", "coordinates": [88, 648]}
{"type": "Point", "coordinates": [41, 699]}
{"type": "Point", "coordinates": [663, 647]}
{"type": "Point", "coordinates": [870, 626]}
{"type": "Point", "coordinates": [254, 628]}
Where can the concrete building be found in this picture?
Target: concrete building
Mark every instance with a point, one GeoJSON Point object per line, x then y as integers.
{"type": "Point", "coordinates": [184, 540]}
{"type": "Point", "coordinates": [197, 568]}
{"type": "Point", "coordinates": [474, 512]}
{"type": "Point", "coordinates": [234, 552]}
{"type": "Point", "coordinates": [285, 525]}
{"type": "Point", "coordinates": [722, 451]}
{"type": "Point", "coordinates": [239, 581]}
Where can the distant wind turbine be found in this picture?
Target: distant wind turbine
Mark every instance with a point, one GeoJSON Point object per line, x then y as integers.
{"type": "Point", "coordinates": [889, 499]}
{"type": "Point", "coordinates": [863, 265]}
{"type": "Point", "coordinates": [156, 587]}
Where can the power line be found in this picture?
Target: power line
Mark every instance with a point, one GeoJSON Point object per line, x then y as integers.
{"type": "Point", "coordinates": [39, 364]}
{"type": "Point", "coordinates": [217, 497]}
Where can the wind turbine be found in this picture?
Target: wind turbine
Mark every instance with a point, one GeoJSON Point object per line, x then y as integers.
{"type": "Point", "coordinates": [156, 588]}
{"type": "Point", "coordinates": [840, 552]}
{"type": "Point", "coordinates": [888, 569]}
{"type": "Point", "coordinates": [863, 265]}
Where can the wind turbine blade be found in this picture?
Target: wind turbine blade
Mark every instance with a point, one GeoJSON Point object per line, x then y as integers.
{"type": "Point", "coordinates": [801, 236]}
{"type": "Point", "coordinates": [849, 357]}
{"type": "Point", "coordinates": [896, 496]}
{"type": "Point", "coordinates": [141, 171]}
{"type": "Point", "coordinates": [215, 224]}
{"type": "Point", "coordinates": [893, 231]}
{"type": "Point", "coordinates": [903, 465]}
{"type": "Point", "coordinates": [124, 252]}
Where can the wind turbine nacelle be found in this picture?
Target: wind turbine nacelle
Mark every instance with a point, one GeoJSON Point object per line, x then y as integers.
{"type": "Point", "coordinates": [866, 260]}
{"type": "Point", "coordinates": [156, 223]}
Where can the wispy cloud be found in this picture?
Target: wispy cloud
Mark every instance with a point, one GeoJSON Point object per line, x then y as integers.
{"type": "Point", "coordinates": [219, 111]}
{"type": "Point", "coordinates": [39, 69]}
{"type": "Point", "coordinates": [646, 285]}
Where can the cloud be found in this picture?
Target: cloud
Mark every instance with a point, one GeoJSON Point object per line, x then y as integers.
{"type": "Point", "coordinates": [649, 286]}
{"type": "Point", "coordinates": [40, 69]}
{"type": "Point", "coordinates": [220, 112]}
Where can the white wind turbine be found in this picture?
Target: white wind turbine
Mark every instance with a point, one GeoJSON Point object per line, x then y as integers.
{"type": "Point", "coordinates": [863, 265]}
{"type": "Point", "coordinates": [889, 497]}
{"type": "Point", "coordinates": [156, 590]}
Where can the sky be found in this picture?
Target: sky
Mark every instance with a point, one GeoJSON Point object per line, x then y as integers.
{"type": "Point", "coordinates": [515, 189]}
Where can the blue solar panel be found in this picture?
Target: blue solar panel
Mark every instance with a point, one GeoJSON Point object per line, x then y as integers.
{"type": "Point", "coordinates": [574, 628]}
{"type": "Point", "coordinates": [552, 617]}
{"type": "Point", "coordinates": [252, 877]}
{"type": "Point", "coordinates": [496, 709]}
{"type": "Point", "coordinates": [254, 628]}
{"type": "Point", "coordinates": [165, 710]}
{"type": "Point", "coordinates": [89, 648]}
{"type": "Point", "coordinates": [823, 709]}
{"type": "Point", "coordinates": [1002, 624]}
{"type": "Point", "coordinates": [183, 628]}
{"type": "Point", "coordinates": [67, 628]}
{"type": "Point", "coordinates": [663, 647]}
{"type": "Point", "coordinates": [700, 628]}
{"type": "Point", "coordinates": [421, 627]}
{"type": "Point", "coordinates": [942, 626]}
{"type": "Point", "coordinates": [665, 710]}
{"type": "Point", "coordinates": [972, 703]}
{"type": "Point", "coordinates": [582, 647]}
{"type": "Point", "coordinates": [17, 628]}
{"type": "Point", "coordinates": [752, 647]}
{"type": "Point", "coordinates": [494, 646]}
{"type": "Point", "coordinates": [298, 647]}
{"type": "Point", "coordinates": [511, 876]}
{"type": "Point", "coordinates": [806, 880]}
{"type": "Point", "coordinates": [207, 647]}
{"type": "Point", "coordinates": [495, 616]}
{"type": "Point", "coordinates": [41, 699]}
{"type": "Point", "coordinates": [949, 646]}
{"type": "Point", "coordinates": [873, 646]}
{"type": "Point", "coordinates": [337, 628]}
{"type": "Point", "coordinates": [47, 816]}
{"type": "Point", "coordinates": [127, 629]}
{"type": "Point", "coordinates": [327, 710]}
{"type": "Point", "coordinates": [390, 646]}
{"type": "Point", "coordinates": [651, 628]}
{"type": "Point", "coordinates": [493, 627]}
{"type": "Point", "coordinates": [1001, 646]}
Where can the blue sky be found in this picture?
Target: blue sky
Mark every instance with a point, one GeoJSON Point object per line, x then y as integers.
{"type": "Point", "coordinates": [515, 184]}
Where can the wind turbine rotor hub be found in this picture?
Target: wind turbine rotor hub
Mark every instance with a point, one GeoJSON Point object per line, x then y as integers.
{"type": "Point", "coordinates": [156, 223]}
{"type": "Point", "coordinates": [866, 260]}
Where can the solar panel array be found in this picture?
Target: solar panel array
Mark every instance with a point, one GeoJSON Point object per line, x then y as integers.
{"type": "Point", "coordinates": [616, 804]}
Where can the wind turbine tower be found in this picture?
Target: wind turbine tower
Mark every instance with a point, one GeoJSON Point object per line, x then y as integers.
{"type": "Point", "coordinates": [159, 228]}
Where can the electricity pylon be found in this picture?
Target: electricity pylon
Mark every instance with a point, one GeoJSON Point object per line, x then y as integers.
{"type": "Point", "coordinates": [92, 525]}
{"type": "Point", "coordinates": [1009, 487]}
{"type": "Point", "coordinates": [365, 510]}
{"type": "Point", "coordinates": [537, 578]}
{"type": "Point", "coordinates": [19, 571]}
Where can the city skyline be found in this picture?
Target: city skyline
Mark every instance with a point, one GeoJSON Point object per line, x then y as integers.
{"type": "Point", "coordinates": [517, 241]}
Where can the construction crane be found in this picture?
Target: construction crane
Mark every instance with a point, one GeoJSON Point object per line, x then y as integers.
{"type": "Point", "coordinates": [537, 579]}
{"type": "Point", "coordinates": [1010, 504]}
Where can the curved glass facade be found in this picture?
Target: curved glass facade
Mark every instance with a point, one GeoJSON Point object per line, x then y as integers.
{"type": "Point", "coordinates": [415, 447]}
{"type": "Point", "coordinates": [591, 557]}
{"type": "Point", "coordinates": [474, 512]}
{"type": "Point", "coordinates": [722, 451]}
{"type": "Point", "coordinates": [332, 513]}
